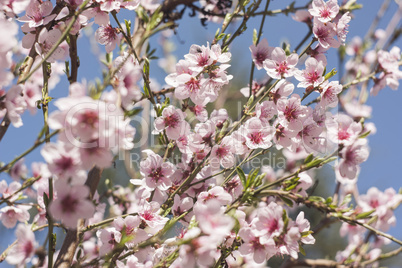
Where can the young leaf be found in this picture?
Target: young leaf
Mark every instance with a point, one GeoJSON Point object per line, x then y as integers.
{"type": "Point", "coordinates": [242, 176]}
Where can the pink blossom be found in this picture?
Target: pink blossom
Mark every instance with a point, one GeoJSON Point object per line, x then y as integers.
{"type": "Point", "coordinates": [38, 13]}
{"type": "Point", "coordinates": [14, 6]}
{"type": "Point", "coordinates": [7, 190]}
{"type": "Point", "coordinates": [150, 217]}
{"type": "Point", "coordinates": [109, 5]}
{"type": "Point", "coordinates": [129, 228]}
{"type": "Point", "coordinates": [218, 117]}
{"type": "Point", "coordinates": [234, 187]}
{"type": "Point", "coordinates": [183, 205]}
{"type": "Point", "coordinates": [71, 204]}
{"type": "Point", "coordinates": [289, 244]}
{"type": "Point", "coordinates": [19, 170]}
{"type": "Point", "coordinates": [9, 215]}
{"type": "Point", "coordinates": [199, 57]}
{"type": "Point", "coordinates": [215, 193]}
{"type": "Point", "coordinates": [108, 238]}
{"type": "Point", "coordinates": [265, 111]}
{"type": "Point", "coordinates": [343, 129]}
{"type": "Point", "coordinates": [302, 16]}
{"type": "Point", "coordinates": [269, 221]}
{"type": "Point", "coordinates": [190, 86]}
{"type": "Point", "coordinates": [216, 79]}
{"type": "Point", "coordinates": [9, 29]}
{"type": "Point", "coordinates": [15, 105]}
{"type": "Point", "coordinates": [280, 65]}
{"type": "Point", "coordinates": [156, 172]}
{"type": "Point", "coordinates": [46, 41]}
{"type": "Point", "coordinates": [22, 253]}
{"type": "Point", "coordinates": [98, 155]}
{"type": "Point", "coordinates": [291, 113]}
{"type": "Point", "coordinates": [172, 121]}
{"type": "Point", "coordinates": [100, 17]}
{"type": "Point", "coordinates": [324, 11]}
{"type": "Point", "coordinates": [352, 156]}
{"type": "Point", "coordinates": [312, 75]}
{"type": "Point", "coordinates": [223, 154]}
{"type": "Point", "coordinates": [382, 203]}
{"type": "Point", "coordinates": [63, 160]}
{"type": "Point", "coordinates": [200, 251]}
{"type": "Point", "coordinates": [325, 33]}
{"type": "Point", "coordinates": [342, 27]}
{"type": "Point", "coordinates": [252, 245]}
{"type": "Point", "coordinates": [32, 94]}
{"type": "Point", "coordinates": [282, 90]}
{"type": "Point", "coordinates": [130, 4]}
{"type": "Point", "coordinates": [318, 53]}
{"type": "Point", "coordinates": [304, 226]}
{"type": "Point", "coordinates": [200, 112]}
{"type": "Point", "coordinates": [257, 134]}
{"type": "Point", "coordinates": [329, 93]}
{"type": "Point", "coordinates": [260, 53]}
{"type": "Point", "coordinates": [108, 36]}
{"type": "Point", "coordinates": [309, 136]}
{"type": "Point", "coordinates": [355, 46]}
{"type": "Point", "coordinates": [239, 142]}
{"type": "Point", "coordinates": [212, 220]}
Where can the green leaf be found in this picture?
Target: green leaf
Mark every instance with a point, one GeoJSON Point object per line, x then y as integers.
{"type": "Point", "coordinates": [301, 249]}
{"type": "Point", "coordinates": [252, 176]}
{"type": "Point", "coordinates": [242, 176]}
{"type": "Point", "coordinates": [364, 214]}
{"type": "Point", "coordinates": [329, 160]}
{"type": "Point", "coordinates": [45, 199]}
{"type": "Point", "coordinates": [314, 198]}
{"type": "Point", "coordinates": [308, 158]}
{"type": "Point", "coordinates": [313, 163]}
{"type": "Point", "coordinates": [217, 32]}
{"type": "Point", "coordinates": [331, 74]}
{"type": "Point", "coordinates": [128, 26]}
{"type": "Point", "coordinates": [155, 19]}
{"type": "Point", "coordinates": [307, 233]}
{"type": "Point", "coordinates": [133, 112]}
{"type": "Point", "coordinates": [255, 37]}
{"type": "Point", "coordinates": [362, 136]}
{"type": "Point", "coordinates": [287, 201]}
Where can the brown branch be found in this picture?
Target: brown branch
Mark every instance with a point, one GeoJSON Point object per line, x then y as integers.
{"type": "Point", "coordinates": [75, 63]}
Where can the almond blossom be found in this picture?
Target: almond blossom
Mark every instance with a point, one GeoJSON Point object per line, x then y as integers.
{"type": "Point", "coordinates": [257, 134]}
{"type": "Point", "coordinates": [156, 171]}
{"type": "Point", "coordinates": [10, 215]}
{"type": "Point", "coordinates": [329, 93]}
{"type": "Point", "coordinates": [108, 36]}
{"type": "Point", "coordinates": [46, 41]}
{"type": "Point", "coordinates": [352, 156]}
{"type": "Point", "coordinates": [24, 250]}
{"type": "Point", "coordinates": [71, 204]}
{"type": "Point", "coordinates": [325, 33]}
{"type": "Point", "coordinates": [172, 121]}
{"type": "Point", "coordinates": [279, 65]}
{"type": "Point", "coordinates": [38, 13]}
{"type": "Point", "coordinates": [260, 53]}
{"type": "Point", "coordinates": [324, 11]}
{"type": "Point", "coordinates": [15, 105]}
{"type": "Point", "coordinates": [291, 113]}
{"type": "Point", "coordinates": [312, 75]}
